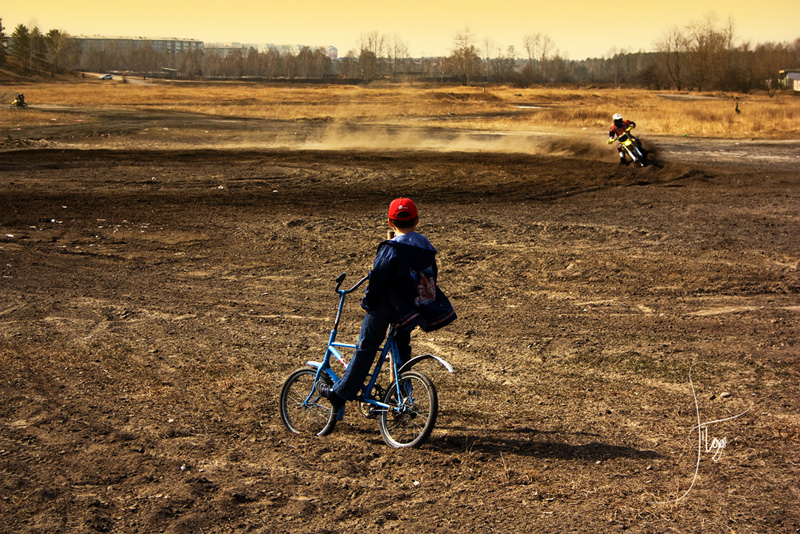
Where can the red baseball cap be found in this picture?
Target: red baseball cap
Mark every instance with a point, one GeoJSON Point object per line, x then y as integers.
{"type": "Point", "coordinates": [402, 209]}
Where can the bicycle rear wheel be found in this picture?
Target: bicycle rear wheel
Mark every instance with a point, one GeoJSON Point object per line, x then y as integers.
{"type": "Point", "coordinates": [411, 418]}
{"type": "Point", "coordinates": [315, 417]}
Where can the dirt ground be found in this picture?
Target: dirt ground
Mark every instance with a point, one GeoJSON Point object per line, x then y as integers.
{"type": "Point", "coordinates": [162, 275]}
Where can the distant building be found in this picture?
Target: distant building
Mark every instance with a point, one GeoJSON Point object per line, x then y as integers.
{"type": "Point", "coordinates": [162, 45]}
{"type": "Point", "coordinates": [790, 79]}
{"type": "Point", "coordinates": [174, 46]}
{"type": "Point", "coordinates": [226, 49]}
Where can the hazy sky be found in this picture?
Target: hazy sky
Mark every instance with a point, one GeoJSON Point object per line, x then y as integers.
{"type": "Point", "coordinates": [578, 28]}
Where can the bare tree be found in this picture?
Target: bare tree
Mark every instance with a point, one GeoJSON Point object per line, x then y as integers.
{"type": "Point", "coordinates": [531, 50]}
{"type": "Point", "coordinates": [323, 64]}
{"type": "Point", "coordinates": [709, 51]}
{"type": "Point", "coordinates": [797, 51]}
{"type": "Point", "coordinates": [251, 63]}
{"type": "Point", "coordinates": [488, 48]}
{"type": "Point", "coordinates": [143, 59]}
{"type": "Point", "coordinates": [348, 65]}
{"type": "Point", "coordinates": [398, 55]}
{"type": "Point", "coordinates": [270, 63]}
{"type": "Point", "coordinates": [673, 49]}
{"type": "Point", "coordinates": [234, 64]}
{"type": "Point", "coordinates": [503, 65]}
{"type": "Point", "coordinates": [371, 49]}
{"type": "Point", "coordinates": [289, 65]}
{"type": "Point", "coordinates": [560, 68]}
{"type": "Point", "coordinates": [464, 58]}
{"type": "Point", "coordinates": [190, 63]}
{"type": "Point", "coordinates": [769, 59]}
{"type": "Point", "coordinates": [539, 49]}
{"type": "Point", "coordinates": [367, 65]}
{"type": "Point", "coordinates": [546, 48]}
{"type": "Point", "coordinates": [312, 63]}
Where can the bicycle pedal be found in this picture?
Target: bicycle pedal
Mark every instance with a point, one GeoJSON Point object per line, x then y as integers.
{"type": "Point", "coordinates": [366, 410]}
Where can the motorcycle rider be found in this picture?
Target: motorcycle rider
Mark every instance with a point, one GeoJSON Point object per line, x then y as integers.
{"type": "Point", "coordinates": [618, 129]}
{"type": "Point", "coordinates": [19, 101]}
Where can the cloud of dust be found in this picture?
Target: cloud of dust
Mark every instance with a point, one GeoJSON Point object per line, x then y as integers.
{"type": "Point", "coordinates": [581, 147]}
{"type": "Point", "coordinates": [343, 136]}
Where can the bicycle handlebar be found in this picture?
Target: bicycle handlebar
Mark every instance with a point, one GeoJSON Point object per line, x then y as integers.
{"type": "Point", "coordinates": [340, 279]}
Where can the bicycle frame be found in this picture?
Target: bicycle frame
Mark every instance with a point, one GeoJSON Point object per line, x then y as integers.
{"type": "Point", "coordinates": [389, 348]}
{"type": "Point", "coordinates": [332, 351]}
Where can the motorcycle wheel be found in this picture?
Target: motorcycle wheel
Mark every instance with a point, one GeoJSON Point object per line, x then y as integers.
{"type": "Point", "coordinates": [632, 155]}
{"type": "Point", "coordinates": [640, 157]}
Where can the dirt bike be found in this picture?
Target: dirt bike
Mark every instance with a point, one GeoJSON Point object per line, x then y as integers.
{"type": "Point", "coordinates": [631, 148]}
{"type": "Point", "coordinates": [18, 104]}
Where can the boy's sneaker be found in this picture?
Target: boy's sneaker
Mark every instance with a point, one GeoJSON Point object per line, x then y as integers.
{"type": "Point", "coordinates": [327, 391]}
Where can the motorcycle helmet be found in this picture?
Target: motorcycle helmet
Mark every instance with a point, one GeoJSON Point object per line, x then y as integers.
{"type": "Point", "coordinates": [617, 119]}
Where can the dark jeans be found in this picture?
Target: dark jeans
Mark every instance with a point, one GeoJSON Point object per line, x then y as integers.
{"type": "Point", "coordinates": [373, 331]}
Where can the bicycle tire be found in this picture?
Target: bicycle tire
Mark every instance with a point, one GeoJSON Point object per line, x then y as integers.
{"type": "Point", "coordinates": [315, 418]}
{"type": "Point", "coordinates": [409, 423]}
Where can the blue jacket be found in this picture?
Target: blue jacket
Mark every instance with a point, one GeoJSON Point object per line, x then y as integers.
{"type": "Point", "coordinates": [395, 278]}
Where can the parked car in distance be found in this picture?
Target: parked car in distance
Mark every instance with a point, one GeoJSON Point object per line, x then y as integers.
{"type": "Point", "coordinates": [106, 77]}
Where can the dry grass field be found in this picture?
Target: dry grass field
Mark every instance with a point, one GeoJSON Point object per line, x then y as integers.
{"type": "Point", "coordinates": [494, 108]}
{"type": "Point", "coordinates": [167, 256]}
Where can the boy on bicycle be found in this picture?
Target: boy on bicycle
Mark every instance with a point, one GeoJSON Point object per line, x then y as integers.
{"type": "Point", "coordinates": [402, 290]}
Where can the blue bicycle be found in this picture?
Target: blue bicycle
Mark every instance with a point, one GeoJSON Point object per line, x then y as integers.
{"type": "Point", "coordinates": [406, 410]}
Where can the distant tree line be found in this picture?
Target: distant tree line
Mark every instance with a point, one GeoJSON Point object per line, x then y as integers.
{"type": "Point", "coordinates": [705, 55]}
{"type": "Point", "coordinates": [702, 56]}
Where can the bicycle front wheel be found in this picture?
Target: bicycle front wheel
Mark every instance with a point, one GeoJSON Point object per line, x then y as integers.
{"type": "Point", "coordinates": [313, 417]}
{"type": "Point", "coordinates": [412, 415]}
